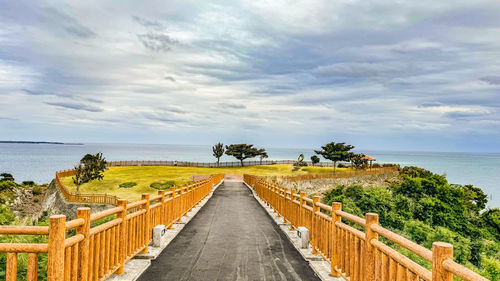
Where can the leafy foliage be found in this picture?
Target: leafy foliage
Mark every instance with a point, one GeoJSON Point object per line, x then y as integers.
{"type": "Point", "coordinates": [358, 161]}
{"type": "Point", "coordinates": [162, 185]}
{"type": "Point", "coordinates": [128, 184]}
{"type": "Point", "coordinates": [426, 208]}
{"type": "Point", "coordinates": [6, 177]}
{"type": "Point", "coordinates": [242, 151]}
{"type": "Point", "coordinates": [91, 167]}
{"type": "Point", "coordinates": [262, 154]}
{"type": "Point", "coordinates": [218, 151]}
{"type": "Point", "coordinates": [336, 152]}
{"type": "Point", "coordinates": [314, 159]}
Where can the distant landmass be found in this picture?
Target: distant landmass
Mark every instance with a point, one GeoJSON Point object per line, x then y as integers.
{"type": "Point", "coordinates": [41, 142]}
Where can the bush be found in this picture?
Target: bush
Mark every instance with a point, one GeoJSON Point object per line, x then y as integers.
{"type": "Point", "coordinates": [6, 177]}
{"type": "Point", "coordinates": [341, 165]}
{"type": "Point", "coordinates": [129, 184]}
{"type": "Point", "coordinates": [37, 190]}
{"type": "Point", "coordinates": [162, 185]}
{"type": "Point", "coordinates": [7, 185]}
{"type": "Point", "coordinates": [300, 164]}
{"type": "Point", "coordinates": [28, 183]}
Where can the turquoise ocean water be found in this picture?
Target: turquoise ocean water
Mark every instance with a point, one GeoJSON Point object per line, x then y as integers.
{"type": "Point", "coordinates": [39, 162]}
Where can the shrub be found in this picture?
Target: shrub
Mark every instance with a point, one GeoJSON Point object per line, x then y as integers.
{"type": "Point", "coordinates": [129, 184]}
{"type": "Point", "coordinates": [162, 185]}
{"type": "Point", "coordinates": [6, 177]}
{"type": "Point", "coordinates": [28, 183]}
{"type": "Point", "coordinates": [7, 185]}
{"type": "Point", "coordinates": [341, 165]}
{"type": "Point", "coordinates": [37, 190]}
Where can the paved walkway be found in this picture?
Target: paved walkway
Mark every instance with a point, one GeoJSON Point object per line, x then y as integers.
{"type": "Point", "coordinates": [231, 238]}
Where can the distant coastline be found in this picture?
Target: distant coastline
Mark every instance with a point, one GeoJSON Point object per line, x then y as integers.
{"type": "Point", "coordinates": [41, 142]}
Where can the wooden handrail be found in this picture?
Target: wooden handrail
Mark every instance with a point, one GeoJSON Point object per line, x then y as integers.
{"type": "Point", "coordinates": [353, 254]}
{"type": "Point", "coordinates": [94, 253]}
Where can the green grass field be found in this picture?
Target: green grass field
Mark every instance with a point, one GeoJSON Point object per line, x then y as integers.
{"type": "Point", "coordinates": [146, 175]}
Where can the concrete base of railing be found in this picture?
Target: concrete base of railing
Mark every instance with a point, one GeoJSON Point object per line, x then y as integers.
{"type": "Point", "coordinates": [316, 262]}
{"type": "Point", "coordinates": [138, 265]}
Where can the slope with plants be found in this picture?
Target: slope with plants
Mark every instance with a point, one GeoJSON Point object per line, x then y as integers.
{"type": "Point", "coordinates": [425, 208]}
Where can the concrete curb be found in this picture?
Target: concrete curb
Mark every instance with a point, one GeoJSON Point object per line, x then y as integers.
{"type": "Point", "coordinates": [318, 264]}
{"type": "Point", "coordinates": [138, 265]}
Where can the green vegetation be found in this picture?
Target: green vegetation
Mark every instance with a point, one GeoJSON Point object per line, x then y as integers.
{"type": "Point", "coordinates": [218, 151]}
{"type": "Point", "coordinates": [162, 185]}
{"type": "Point", "coordinates": [314, 160]}
{"type": "Point", "coordinates": [128, 184]}
{"type": "Point", "coordinates": [262, 154]}
{"type": "Point", "coordinates": [425, 208]}
{"type": "Point", "coordinates": [336, 152]}
{"type": "Point", "coordinates": [90, 168]}
{"type": "Point", "coordinates": [243, 151]}
{"type": "Point", "coordinates": [7, 217]}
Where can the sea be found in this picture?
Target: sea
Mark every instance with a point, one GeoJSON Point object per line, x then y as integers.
{"type": "Point", "coordinates": [39, 162]}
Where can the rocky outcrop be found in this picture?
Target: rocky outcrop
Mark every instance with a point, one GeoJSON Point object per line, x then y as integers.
{"type": "Point", "coordinates": [54, 203]}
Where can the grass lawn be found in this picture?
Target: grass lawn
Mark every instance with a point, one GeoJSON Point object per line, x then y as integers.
{"type": "Point", "coordinates": [143, 176]}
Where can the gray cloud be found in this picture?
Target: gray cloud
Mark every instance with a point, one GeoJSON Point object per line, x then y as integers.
{"type": "Point", "coordinates": [75, 106]}
{"type": "Point", "coordinates": [232, 105]}
{"type": "Point", "coordinates": [148, 23]}
{"type": "Point", "coordinates": [163, 118]}
{"type": "Point", "coordinates": [493, 80]}
{"type": "Point", "coordinates": [157, 42]}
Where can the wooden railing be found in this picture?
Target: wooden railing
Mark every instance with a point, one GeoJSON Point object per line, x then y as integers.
{"type": "Point", "coordinates": [353, 254]}
{"type": "Point", "coordinates": [79, 251]}
{"type": "Point", "coordinates": [94, 198]}
{"type": "Point", "coordinates": [342, 174]}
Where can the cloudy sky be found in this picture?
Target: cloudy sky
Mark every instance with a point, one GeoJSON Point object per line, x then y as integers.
{"type": "Point", "coordinates": [380, 74]}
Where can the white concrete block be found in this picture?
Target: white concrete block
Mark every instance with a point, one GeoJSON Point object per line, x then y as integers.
{"type": "Point", "coordinates": [158, 232]}
{"type": "Point", "coordinates": [303, 234]}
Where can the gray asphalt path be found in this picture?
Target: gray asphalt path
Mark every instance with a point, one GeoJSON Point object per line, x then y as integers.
{"type": "Point", "coordinates": [231, 238]}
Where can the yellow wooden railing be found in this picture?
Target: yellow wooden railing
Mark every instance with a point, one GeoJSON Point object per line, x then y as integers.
{"type": "Point", "coordinates": [353, 254]}
{"type": "Point", "coordinates": [94, 253]}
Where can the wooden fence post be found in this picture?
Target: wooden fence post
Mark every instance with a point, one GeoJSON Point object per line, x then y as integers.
{"type": "Point", "coordinates": [162, 206]}
{"type": "Point", "coordinates": [284, 208]}
{"type": "Point", "coordinates": [57, 235]}
{"type": "Point", "coordinates": [147, 231]}
{"type": "Point", "coordinates": [83, 246]}
{"type": "Point", "coordinates": [369, 265]}
{"type": "Point", "coordinates": [314, 235]}
{"type": "Point", "coordinates": [292, 198]}
{"type": "Point", "coordinates": [301, 210]}
{"type": "Point", "coordinates": [336, 206]}
{"type": "Point", "coordinates": [172, 208]}
{"type": "Point", "coordinates": [440, 252]}
{"type": "Point", "coordinates": [122, 255]}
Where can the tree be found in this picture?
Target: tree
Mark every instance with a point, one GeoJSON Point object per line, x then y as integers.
{"type": "Point", "coordinates": [6, 177]}
{"type": "Point", "coordinates": [90, 168]}
{"type": "Point", "coordinates": [314, 159]}
{"type": "Point", "coordinates": [262, 154]}
{"type": "Point", "coordinates": [218, 151]}
{"type": "Point", "coordinates": [242, 151]}
{"type": "Point", "coordinates": [358, 161]}
{"type": "Point", "coordinates": [336, 152]}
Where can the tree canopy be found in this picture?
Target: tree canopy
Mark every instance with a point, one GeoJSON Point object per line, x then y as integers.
{"type": "Point", "coordinates": [336, 152]}
{"type": "Point", "coordinates": [262, 154]}
{"type": "Point", "coordinates": [314, 159]}
{"type": "Point", "coordinates": [242, 151]}
{"type": "Point", "coordinates": [91, 167]}
{"type": "Point", "coordinates": [218, 151]}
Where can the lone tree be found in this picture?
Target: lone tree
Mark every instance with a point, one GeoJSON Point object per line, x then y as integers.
{"type": "Point", "coordinates": [314, 160]}
{"type": "Point", "coordinates": [242, 151]}
{"type": "Point", "coordinates": [359, 161]}
{"type": "Point", "coordinates": [90, 168]}
{"type": "Point", "coordinates": [262, 154]}
{"type": "Point", "coordinates": [336, 152]}
{"type": "Point", "coordinates": [6, 177]}
{"type": "Point", "coordinates": [218, 150]}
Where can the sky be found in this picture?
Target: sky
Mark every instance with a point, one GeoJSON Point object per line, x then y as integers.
{"type": "Point", "coordinates": [380, 74]}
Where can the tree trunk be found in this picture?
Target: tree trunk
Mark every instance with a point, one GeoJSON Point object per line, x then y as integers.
{"type": "Point", "coordinates": [78, 189]}
{"type": "Point", "coordinates": [241, 162]}
{"type": "Point", "coordinates": [334, 166]}
{"type": "Point", "coordinates": [218, 159]}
